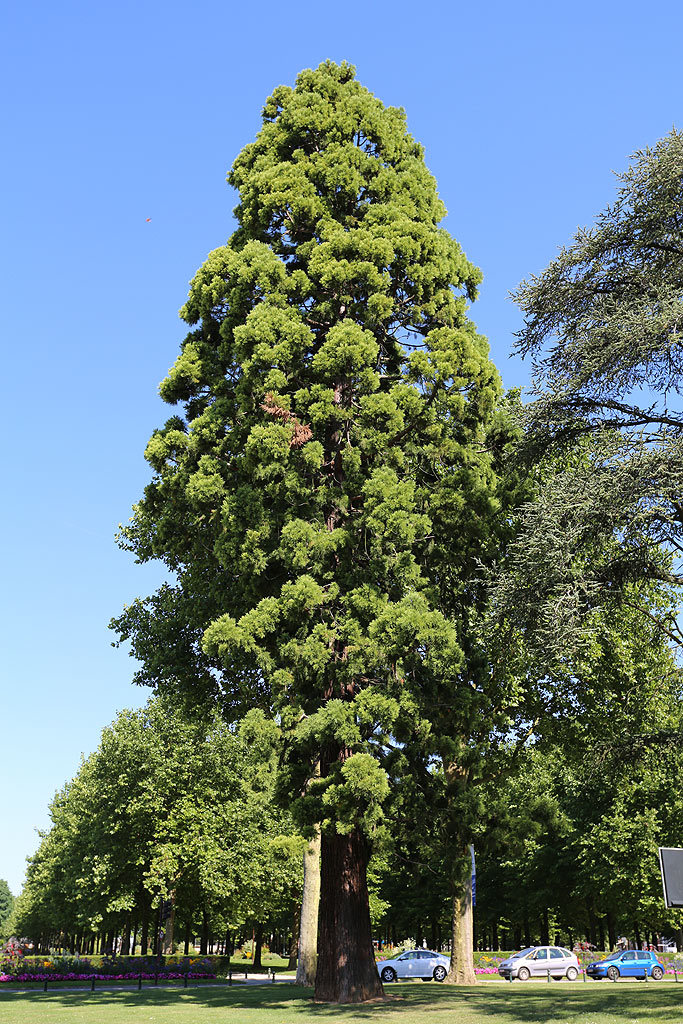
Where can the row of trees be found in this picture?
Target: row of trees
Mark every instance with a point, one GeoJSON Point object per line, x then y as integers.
{"type": "Point", "coordinates": [414, 579]}
{"type": "Point", "coordinates": [165, 811]}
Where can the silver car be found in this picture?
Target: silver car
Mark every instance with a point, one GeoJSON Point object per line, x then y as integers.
{"type": "Point", "coordinates": [415, 963]}
{"type": "Point", "coordinates": [540, 962]}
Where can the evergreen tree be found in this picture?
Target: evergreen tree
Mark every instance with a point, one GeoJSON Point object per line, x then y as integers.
{"type": "Point", "coordinates": [333, 437]}
{"type": "Point", "coordinates": [603, 325]}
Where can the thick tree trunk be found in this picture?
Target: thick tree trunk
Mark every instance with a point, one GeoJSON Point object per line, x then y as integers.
{"type": "Point", "coordinates": [308, 929]}
{"type": "Point", "coordinates": [461, 971]}
{"type": "Point", "coordinates": [347, 972]}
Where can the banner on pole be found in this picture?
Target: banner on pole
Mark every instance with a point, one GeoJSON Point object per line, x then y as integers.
{"type": "Point", "coordinates": [474, 877]}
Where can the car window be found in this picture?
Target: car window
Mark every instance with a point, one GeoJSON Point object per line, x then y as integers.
{"type": "Point", "coordinates": [565, 952]}
{"type": "Point", "coordinates": [629, 956]}
{"type": "Point", "coordinates": [541, 954]}
{"type": "Point", "coordinates": [556, 954]}
{"type": "Point", "coordinates": [642, 956]}
{"type": "Point", "coordinates": [425, 955]}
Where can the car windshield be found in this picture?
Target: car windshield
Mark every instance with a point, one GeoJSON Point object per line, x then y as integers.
{"type": "Point", "coordinates": [523, 952]}
{"type": "Point", "coordinates": [614, 956]}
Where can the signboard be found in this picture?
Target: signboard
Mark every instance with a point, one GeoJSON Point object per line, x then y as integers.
{"type": "Point", "coordinates": [671, 865]}
{"type": "Point", "coordinates": [474, 877]}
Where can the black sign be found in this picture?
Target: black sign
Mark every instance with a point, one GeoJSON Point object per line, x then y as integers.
{"type": "Point", "coordinates": [671, 864]}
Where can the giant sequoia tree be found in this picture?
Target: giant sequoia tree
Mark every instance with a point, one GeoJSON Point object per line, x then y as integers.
{"type": "Point", "coordinates": [334, 407]}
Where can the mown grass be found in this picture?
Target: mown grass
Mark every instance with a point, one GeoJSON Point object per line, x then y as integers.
{"type": "Point", "coordinates": [412, 1003]}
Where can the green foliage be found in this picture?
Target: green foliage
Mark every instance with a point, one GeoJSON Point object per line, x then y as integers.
{"type": "Point", "coordinates": [603, 323]}
{"type": "Point", "coordinates": [164, 808]}
{"type": "Point", "coordinates": [335, 451]}
{"type": "Point", "coordinates": [6, 906]}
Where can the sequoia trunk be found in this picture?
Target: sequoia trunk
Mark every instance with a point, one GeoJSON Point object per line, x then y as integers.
{"type": "Point", "coordinates": [308, 931]}
{"type": "Point", "coordinates": [346, 960]}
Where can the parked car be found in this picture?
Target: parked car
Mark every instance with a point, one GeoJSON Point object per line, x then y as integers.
{"type": "Point", "coordinates": [539, 962]}
{"type": "Point", "coordinates": [415, 963]}
{"type": "Point", "coordinates": [627, 963]}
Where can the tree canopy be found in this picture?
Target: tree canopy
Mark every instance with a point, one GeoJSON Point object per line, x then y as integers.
{"type": "Point", "coordinates": [603, 324]}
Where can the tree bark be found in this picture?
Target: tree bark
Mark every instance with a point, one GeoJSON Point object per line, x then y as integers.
{"type": "Point", "coordinates": [611, 931]}
{"type": "Point", "coordinates": [347, 972]}
{"type": "Point", "coordinates": [144, 937]}
{"type": "Point", "coordinates": [204, 941]}
{"type": "Point", "coordinates": [545, 930]}
{"type": "Point", "coordinates": [169, 929]}
{"type": "Point", "coordinates": [257, 943]}
{"type": "Point", "coordinates": [461, 971]}
{"type": "Point", "coordinates": [125, 938]}
{"type": "Point", "coordinates": [294, 941]}
{"type": "Point", "coordinates": [308, 928]}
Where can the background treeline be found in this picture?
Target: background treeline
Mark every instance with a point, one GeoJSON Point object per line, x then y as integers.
{"type": "Point", "coordinates": [184, 811]}
{"type": "Point", "coordinates": [164, 810]}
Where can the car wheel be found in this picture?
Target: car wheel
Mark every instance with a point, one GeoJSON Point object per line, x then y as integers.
{"type": "Point", "coordinates": [572, 974]}
{"type": "Point", "coordinates": [657, 973]}
{"type": "Point", "coordinates": [612, 973]}
{"type": "Point", "coordinates": [439, 973]}
{"type": "Point", "coordinates": [388, 974]}
{"type": "Point", "coordinates": [523, 974]}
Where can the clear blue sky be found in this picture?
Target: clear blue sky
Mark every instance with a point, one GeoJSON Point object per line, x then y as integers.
{"type": "Point", "coordinates": [114, 113]}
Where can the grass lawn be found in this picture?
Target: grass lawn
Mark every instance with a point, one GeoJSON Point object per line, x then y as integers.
{"type": "Point", "coordinates": [534, 1003]}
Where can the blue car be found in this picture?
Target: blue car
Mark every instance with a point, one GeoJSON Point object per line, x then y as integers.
{"type": "Point", "coordinates": [627, 963]}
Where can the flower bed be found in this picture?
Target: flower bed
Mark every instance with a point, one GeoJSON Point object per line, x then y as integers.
{"type": "Point", "coordinates": [67, 968]}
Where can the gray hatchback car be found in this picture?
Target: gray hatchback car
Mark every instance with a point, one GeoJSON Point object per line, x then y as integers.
{"type": "Point", "coordinates": [540, 962]}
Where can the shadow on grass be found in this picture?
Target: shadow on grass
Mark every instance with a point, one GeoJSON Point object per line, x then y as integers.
{"type": "Point", "coordinates": [565, 1004]}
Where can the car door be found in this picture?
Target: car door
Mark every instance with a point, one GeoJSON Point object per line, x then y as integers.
{"type": "Point", "coordinates": [540, 962]}
{"type": "Point", "coordinates": [427, 963]}
{"type": "Point", "coordinates": [643, 963]}
{"type": "Point", "coordinates": [558, 961]}
{"type": "Point", "coordinates": [407, 964]}
{"type": "Point", "coordinates": [629, 966]}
